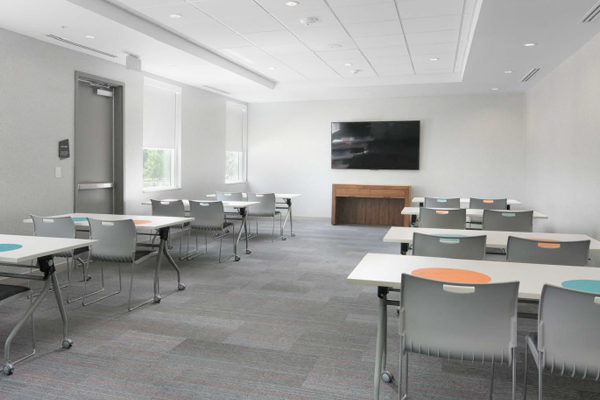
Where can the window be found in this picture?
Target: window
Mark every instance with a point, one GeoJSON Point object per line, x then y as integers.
{"type": "Point", "coordinates": [162, 136]}
{"type": "Point", "coordinates": [235, 143]}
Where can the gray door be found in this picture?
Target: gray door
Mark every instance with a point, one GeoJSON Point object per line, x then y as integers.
{"type": "Point", "coordinates": [96, 178]}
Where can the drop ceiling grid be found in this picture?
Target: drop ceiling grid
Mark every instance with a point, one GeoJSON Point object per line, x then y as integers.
{"type": "Point", "coordinates": [379, 37]}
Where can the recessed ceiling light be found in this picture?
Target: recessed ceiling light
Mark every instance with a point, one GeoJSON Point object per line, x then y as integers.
{"type": "Point", "coordinates": [90, 37]}
{"type": "Point", "coordinates": [495, 89]}
{"type": "Point", "coordinates": [531, 44]}
{"type": "Point", "coordinates": [271, 68]}
{"type": "Point", "coordinates": [291, 3]}
{"type": "Point", "coordinates": [508, 71]}
{"type": "Point", "coordinates": [309, 21]}
{"type": "Point", "coordinates": [434, 59]}
{"type": "Point", "coordinates": [175, 16]}
{"type": "Point", "coordinates": [347, 65]}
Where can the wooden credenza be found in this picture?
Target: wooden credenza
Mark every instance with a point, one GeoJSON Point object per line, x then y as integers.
{"type": "Point", "coordinates": [369, 204]}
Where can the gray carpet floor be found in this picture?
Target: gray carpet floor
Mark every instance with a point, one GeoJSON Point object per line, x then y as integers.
{"type": "Point", "coordinates": [282, 323]}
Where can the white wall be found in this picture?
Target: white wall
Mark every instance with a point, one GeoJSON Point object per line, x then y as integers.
{"type": "Point", "coordinates": [37, 110]}
{"type": "Point", "coordinates": [563, 143]}
{"type": "Point", "coordinates": [470, 145]}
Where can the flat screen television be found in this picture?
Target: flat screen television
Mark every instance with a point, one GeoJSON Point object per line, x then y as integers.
{"type": "Point", "coordinates": [375, 145]}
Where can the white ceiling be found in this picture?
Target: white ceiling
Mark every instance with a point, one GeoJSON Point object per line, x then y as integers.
{"type": "Point", "coordinates": [389, 44]}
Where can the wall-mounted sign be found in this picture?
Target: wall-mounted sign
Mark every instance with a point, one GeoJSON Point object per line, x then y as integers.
{"type": "Point", "coordinates": [63, 149]}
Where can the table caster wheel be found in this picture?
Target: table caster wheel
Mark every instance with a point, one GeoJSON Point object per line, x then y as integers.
{"type": "Point", "coordinates": [181, 286]}
{"type": "Point", "coordinates": [157, 299]}
{"type": "Point", "coordinates": [237, 258]}
{"type": "Point", "coordinates": [8, 369]}
{"type": "Point", "coordinates": [67, 343]}
{"type": "Point", "coordinates": [283, 238]}
{"type": "Point", "coordinates": [387, 377]}
{"type": "Point", "coordinates": [248, 251]}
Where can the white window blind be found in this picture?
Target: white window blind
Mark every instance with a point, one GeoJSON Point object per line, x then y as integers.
{"type": "Point", "coordinates": [235, 142]}
{"type": "Point", "coordinates": [162, 133]}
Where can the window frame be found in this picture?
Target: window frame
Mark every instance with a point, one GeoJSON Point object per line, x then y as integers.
{"type": "Point", "coordinates": [176, 171]}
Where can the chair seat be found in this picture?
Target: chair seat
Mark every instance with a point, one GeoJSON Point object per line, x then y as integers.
{"type": "Point", "coordinates": [7, 291]}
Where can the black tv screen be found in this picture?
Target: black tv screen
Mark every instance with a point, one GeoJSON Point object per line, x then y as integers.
{"type": "Point", "coordinates": [375, 145]}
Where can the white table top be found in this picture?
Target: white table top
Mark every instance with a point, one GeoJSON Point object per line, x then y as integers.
{"type": "Point", "coordinates": [277, 195]}
{"type": "Point", "coordinates": [471, 212]}
{"type": "Point", "coordinates": [497, 239]}
{"type": "Point", "coordinates": [226, 203]}
{"type": "Point", "coordinates": [463, 200]}
{"type": "Point", "coordinates": [143, 222]}
{"type": "Point", "coordinates": [387, 269]}
{"type": "Point", "coordinates": [37, 246]}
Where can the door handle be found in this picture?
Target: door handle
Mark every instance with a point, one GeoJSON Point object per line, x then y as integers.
{"type": "Point", "coordinates": [92, 186]}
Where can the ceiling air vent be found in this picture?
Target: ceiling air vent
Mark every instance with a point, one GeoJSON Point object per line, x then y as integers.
{"type": "Point", "coordinates": [81, 46]}
{"type": "Point", "coordinates": [530, 74]}
{"type": "Point", "coordinates": [214, 89]}
{"type": "Point", "coordinates": [592, 14]}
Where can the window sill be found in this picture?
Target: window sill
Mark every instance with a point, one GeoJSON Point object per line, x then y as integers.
{"type": "Point", "coordinates": [235, 183]}
{"type": "Point", "coordinates": [160, 189]}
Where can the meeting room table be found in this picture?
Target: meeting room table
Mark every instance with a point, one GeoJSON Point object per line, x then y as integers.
{"type": "Point", "coordinates": [496, 239]}
{"type": "Point", "coordinates": [149, 225]}
{"type": "Point", "coordinates": [464, 202]}
{"type": "Point", "coordinates": [384, 272]}
{"type": "Point", "coordinates": [18, 251]}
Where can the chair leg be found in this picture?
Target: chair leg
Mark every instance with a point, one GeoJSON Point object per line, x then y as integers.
{"type": "Point", "coordinates": [108, 295]}
{"type": "Point", "coordinates": [514, 374]}
{"type": "Point", "coordinates": [205, 243]}
{"type": "Point", "coordinates": [85, 266]}
{"type": "Point", "coordinates": [492, 381]}
{"type": "Point", "coordinates": [220, 246]}
{"type": "Point", "coordinates": [273, 230]}
{"type": "Point", "coordinates": [540, 378]}
{"type": "Point", "coordinates": [131, 287]}
{"type": "Point", "coordinates": [525, 373]}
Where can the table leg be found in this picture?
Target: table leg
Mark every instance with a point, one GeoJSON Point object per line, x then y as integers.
{"type": "Point", "coordinates": [381, 344]}
{"type": "Point", "coordinates": [403, 248]}
{"type": "Point", "coordinates": [180, 286]}
{"type": "Point", "coordinates": [244, 228]}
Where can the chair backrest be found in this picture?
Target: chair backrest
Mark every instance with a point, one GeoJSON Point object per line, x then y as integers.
{"type": "Point", "coordinates": [465, 247]}
{"type": "Point", "coordinates": [568, 326]}
{"type": "Point", "coordinates": [62, 227]}
{"type": "Point", "coordinates": [540, 251]}
{"type": "Point", "coordinates": [230, 196]}
{"type": "Point", "coordinates": [460, 321]}
{"type": "Point", "coordinates": [266, 208]}
{"type": "Point", "coordinates": [116, 240]}
{"type": "Point", "coordinates": [516, 221]}
{"type": "Point", "coordinates": [168, 208]}
{"type": "Point", "coordinates": [440, 202]}
{"type": "Point", "coordinates": [488, 204]}
{"type": "Point", "coordinates": [446, 218]}
{"type": "Point", "coordinates": [207, 214]}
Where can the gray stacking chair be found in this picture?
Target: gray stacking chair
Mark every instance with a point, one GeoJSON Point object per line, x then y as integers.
{"type": "Point", "coordinates": [230, 213]}
{"type": "Point", "coordinates": [172, 208]}
{"type": "Point", "coordinates": [516, 221]}
{"type": "Point", "coordinates": [61, 227]}
{"type": "Point", "coordinates": [266, 209]}
{"type": "Point", "coordinates": [567, 342]}
{"type": "Point", "coordinates": [468, 247]}
{"type": "Point", "coordinates": [488, 204]}
{"type": "Point", "coordinates": [7, 292]}
{"type": "Point", "coordinates": [209, 217]}
{"type": "Point", "coordinates": [448, 218]}
{"type": "Point", "coordinates": [116, 244]}
{"type": "Point", "coordinates": [439, 202]}
{"type": "Point", "coordinates": [471, 322]}
{"type": "Point", "coordinates": [540, 251]}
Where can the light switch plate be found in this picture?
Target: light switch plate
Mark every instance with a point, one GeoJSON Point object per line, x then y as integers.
{"type": "Point", "coordinates": [58, 172]}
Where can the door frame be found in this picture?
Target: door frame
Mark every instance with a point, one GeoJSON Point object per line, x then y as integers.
{"type": "Point", "coordinates": [118, 137]}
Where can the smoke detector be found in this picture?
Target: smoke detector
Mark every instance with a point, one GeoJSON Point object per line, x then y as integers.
{"type": "Point", "coordinates": [309, 21]}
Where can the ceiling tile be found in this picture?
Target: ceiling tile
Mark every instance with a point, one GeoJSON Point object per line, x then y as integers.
{"type": "Point", "coordinates": [367, 13]}
{"type": "Point", "coordinates": [212, 34]}
{"type": "Point", "coordinates": [418, 25]}
{"type": "Point", "coordinates": [429, 8]}
{"type": "Point", "coordinates": [386, 52]}
{"type": "Point", "coordinates": [273, 38]}
{"type": "Point", "coordinates": [416, 39]}
{"type": "Point", "coordinates": [433, 49]}
{"type": "Point", "coordinates": [366, 29]}
{"type": "Point", "coordinates": [380, 41]}
{"type": "Point", "coordinates": [264, 23]}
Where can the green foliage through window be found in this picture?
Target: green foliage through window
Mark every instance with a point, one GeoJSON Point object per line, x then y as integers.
{"type": "Point", "coordinates": [158, 168]}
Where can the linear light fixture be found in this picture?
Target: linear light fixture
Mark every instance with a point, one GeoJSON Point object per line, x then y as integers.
{"type": "Point", "coordinates": [82, 46]}
{"type": "Point", "coordinates": [530, 75]}
{"type": "Point", "coordinates": [592, 14]}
